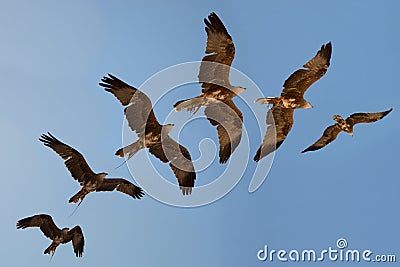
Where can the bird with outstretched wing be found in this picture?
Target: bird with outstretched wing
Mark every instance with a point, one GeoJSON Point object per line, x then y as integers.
{"type": "Point", "coordinates": [152, 135]}
{"type": "Point", "coordinates": [80, 171]}
{"type": "Point", "coordinates": [280, 117]}
{"type": "Point", "coordinates": [345, 125]}
{"type": "Point", "coordinates": [57, 235]}
{"type": "Point", "coordinates": [217, 91]}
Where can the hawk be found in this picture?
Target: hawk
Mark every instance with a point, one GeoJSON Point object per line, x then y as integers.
{"type": "Point", "coordinates": [80, 171]}
{"type": "Point", "coordinates": [345, 125]}
{"type": "Point", "coordinates": [152, 135]}
{"type": "Point", "coordinates": [217, 92]}
{"type": "Point", "coordinates": [57, 235]}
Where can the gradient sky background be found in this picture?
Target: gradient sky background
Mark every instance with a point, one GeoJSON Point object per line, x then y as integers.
{"type": "Point", "coordinates": [54, 54]}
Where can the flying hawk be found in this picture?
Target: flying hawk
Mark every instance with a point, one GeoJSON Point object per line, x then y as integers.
{"type": "Point", "coordinates": [345, 125]}
{"type": "Point", "coordinates": [58, 236]}
{"type": "Point", "coordinates": [81, 172]}
{"type": "Point", "coordinates": [279, 123]}
{"type": "Point", "coordinates": [152, 135]}
{"type": "Point", "coordinates": [280, 116]}
{"type": "Point", "coordinates": [217, 92]}
{"type": "Point", "coordinates": [297, 84]}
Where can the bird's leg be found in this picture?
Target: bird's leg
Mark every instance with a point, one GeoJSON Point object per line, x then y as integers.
{"type": "Point", "coordinates": [51, 249]}
{"type": "Point", "coordinates": [52, 254]}
{"type": "Point", "coordinates": [80, 202]}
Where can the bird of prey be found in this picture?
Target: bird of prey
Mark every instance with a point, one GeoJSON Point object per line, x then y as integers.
{"type": "Point", "coordinates": [345, 125]}
{"type": "Point", "coordinates": [51, 231]}
{"type": "Point", "coordinates": [81, 172]}
{"type": "Point", "coordinates": [280, 116]}
{"type": "Point", "coordinates": [297, 84]}
{"type": "Point", "coordinates": [217, 92]}
{"type": "Point", "coordinates": [152, 135]}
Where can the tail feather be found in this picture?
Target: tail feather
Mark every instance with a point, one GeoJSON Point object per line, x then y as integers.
{"type": "Point", "coordinates": [51, 249]}
{"type": "Point", "coordinates": [268, 100]}
{"type": "Point", "coordinates": [192, 104]}
{"type": "Point", "coordinates": [130, 150]}
{"type": "Point", "coordinates": [179, 102]}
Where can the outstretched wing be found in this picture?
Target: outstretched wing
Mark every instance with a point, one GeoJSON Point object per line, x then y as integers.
{"type": "Point", "coordinates": [297, 83]}
{"type": "Point", "coordinates": [44, 221]}
{"type": "Point", "coordinates": [366, 117]}
{"type": "Point", "coordinates": [327, 137]}
{"type": "Point", "coordinates": [74, 160]}
{"type": "Point", "coordinates": [122, 185]}
{"type": "Point", "coordinates": [229, 121]}
{"type": "Point", "coordinates": [220, 49]}
{"type": "Point", "coordinates": [280, 121]}
{"type": "Point", "coordinates": [139, 112]}
{"type": "Point", "coordinates": [179, 160]}
{"type": "Point", "coordinates": [78, 241]}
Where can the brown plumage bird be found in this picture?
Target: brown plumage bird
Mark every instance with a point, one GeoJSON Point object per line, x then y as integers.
{"type": "Point", "coordinates": [292, 95]}
{"type": "Point", "coordinates": [280, 117]}
{"type": "Point", "coordinates": [57, 235]}
{"type": "Point", "coordinates": [152, 135]}
{"type": "Point", "coordinates": [345, 125]}
{"type": "Point", "coordinates": [80, 171]}
{"type": "Point", "coordinates": [217, 92]}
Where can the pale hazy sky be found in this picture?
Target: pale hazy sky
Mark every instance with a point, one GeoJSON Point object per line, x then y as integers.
{"type": "Point", "coordinates": [54, 54]}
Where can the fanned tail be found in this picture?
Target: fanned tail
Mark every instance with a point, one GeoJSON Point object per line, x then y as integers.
{"type": "Point", "coordinates": [78, 196]}
{"type": "Point", "coordinates": [51, 249]}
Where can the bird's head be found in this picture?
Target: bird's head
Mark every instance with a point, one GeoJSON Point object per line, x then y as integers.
{"type": "Point", "coordinates": [104, 174]}
{"type": "Point", "coordinates": [167, 128]}
{"type": "Point", "coordinates": [65, 230]}
{"type": "Point", "coordinates": [238, 89]}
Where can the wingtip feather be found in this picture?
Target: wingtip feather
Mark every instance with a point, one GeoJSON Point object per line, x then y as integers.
{"type": "Point", "coordinates": [257, 156]}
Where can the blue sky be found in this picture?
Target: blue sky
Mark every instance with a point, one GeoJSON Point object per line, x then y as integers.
{"type": "Point", "coordinates": [54, 54]}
